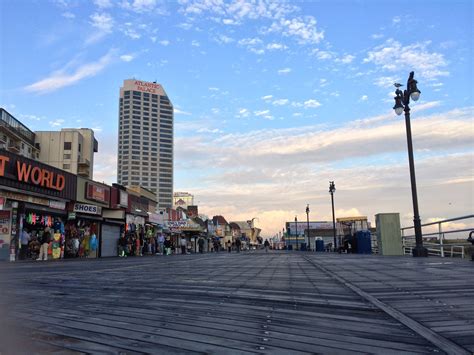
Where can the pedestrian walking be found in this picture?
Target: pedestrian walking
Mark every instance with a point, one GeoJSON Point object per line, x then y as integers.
{"type": "Point", "coordinates": [266, 244]}
{"type": "Point", "coordinates": [229, 246]}
{"type": "Point", "coordinates": [183, 244]}
{"type": "Point", "coordinates": [45, 240]}
{"type": "Point", "coordinates": [25, 240]}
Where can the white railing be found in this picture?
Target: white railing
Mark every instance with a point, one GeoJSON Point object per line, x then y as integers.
{"type": "Point", "coordinates": [438, 243]}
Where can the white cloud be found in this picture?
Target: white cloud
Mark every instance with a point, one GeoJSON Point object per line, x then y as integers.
{"type": "Point", "coordinates": [364, 98]}
{"type": "Point", "coordinates": [181, 112]}
{"type": "Point", "coordinates": [103, 23]}
{"type": "Point", "coordinates": [347, 59]}
{"type": "Point", "coordinates": [223, 39]}
{"type": "Point", "coordinates": [235, 12]}
{"type": "Point", "coordinates": [311, 103]}
{"type": "Point", "coordinates": [68, 15]}
{"type": "Point", "coordinates": [243, 112]}
{"type": "Point", "coordinates": [185, 26]}
{"type": "Point", "coordinates": [207, 130]}
{"type": "Point", "coordinates": [131, 32]}
{"type": "Point", "coordinates": [386, 81]}
{"type": "Point", "coordinates": [393, 56]}
{"type": "Point", "coordinates": [229, 21]}
{"type": "Point", "coordinates": [140, 6]}
{"type": "Point", "coordinates": [322, 55]}
{"type": "Point", "coordinates": [280, 102]}
{"type": "Point", "coordinates": [297, 114]}
{"type": "Point", "coordinates": [60, 78]}
{"type": "Point", "coordinates": [127, 57]}
{"type": "Point", "coordinates": [56, 123]}
{"type": "Point", "coordinates": [213, 89]}
{"type": "Point", "coordinates": [254, 45]}
{"type": "Point", "coordinates": [267, 97]}
{"type": "Point", "coordinates": [103, 3]}
{"type": "Point", "coordinates": [195, 43]}
{"type": "Point", "coordinates": [276, 46]}
{"type": "Point", "coordinates": [303, 29]}
{"type": "Point", "coordinates": [377, 36]}
{"type": "Point", "coordinates": [396, 20]}
{"type": "Point", "coordinates": [261, 113]}
{"type": "Point", "coordinates": [284, 71]}
{"type": "Point", "coordinates": [164, 42]}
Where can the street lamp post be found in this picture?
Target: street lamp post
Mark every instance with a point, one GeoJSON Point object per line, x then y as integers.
{"type": "Point", "coordinates": [307, 226]}
{"type": "Point", "coordinates": [332, 189]}
{"type": "Point", "coordinates": [402, 101]}
{"type": "Point", "coordinates": [296, 231]}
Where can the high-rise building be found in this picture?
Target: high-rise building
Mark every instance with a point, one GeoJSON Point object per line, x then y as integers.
{"type": "Point", "coordinates": [71, 149]}
{"type": "Point", "coordinates": [145, 140]}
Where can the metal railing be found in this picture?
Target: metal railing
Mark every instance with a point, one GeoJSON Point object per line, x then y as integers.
{"type": "Point", "coordinates": [438, 243]}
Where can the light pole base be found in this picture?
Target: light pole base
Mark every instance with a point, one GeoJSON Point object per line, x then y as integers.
{"type": "Point", "coordinates": [420, 251]}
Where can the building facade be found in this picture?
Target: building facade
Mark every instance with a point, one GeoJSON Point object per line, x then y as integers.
{"type": "Point", "coordinates": [70, 149]}
{"type": "Point", "coordinates": [145, 139]}
{"type": "Point", "coordinates": [16, 137]}
{"type": "Point", "coordinates": [182, 199]}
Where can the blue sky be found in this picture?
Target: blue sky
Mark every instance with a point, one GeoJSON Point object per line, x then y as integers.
{"type": "Point", "coordinates": [272, 99]}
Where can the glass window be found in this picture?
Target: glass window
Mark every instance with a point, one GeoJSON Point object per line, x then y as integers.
{"type": "Point", "coordinates": [67, 145]}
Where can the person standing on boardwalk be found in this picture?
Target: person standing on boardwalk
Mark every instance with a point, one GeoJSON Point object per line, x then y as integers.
{"type": "Point", "coordinates": [201, 245]}
{"type": "Point", "coordinates": [183, 244]}
{"type": "Point", "coordinates": [161, 244]}
{"type": "Point", "coordinates": [238, 244]}
{"type": "Point", "coordinates": [229, 246]}
{"type": "Point", "coordinates": [266, 244]}
{"type": "Point", "coordinates": [122, 246]}
{"type": "Point", "coordinates": [25, 240]}
{"type": "Point", "coordinates": [167, 246]}
{"type": "Point", "coordinates": [45, 240]}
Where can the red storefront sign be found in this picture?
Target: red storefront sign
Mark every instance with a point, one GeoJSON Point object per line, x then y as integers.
{"type": "Point", "coordinates": [97, 192]}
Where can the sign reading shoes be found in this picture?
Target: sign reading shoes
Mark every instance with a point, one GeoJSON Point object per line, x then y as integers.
{"type": "Point", "coordinates": [83, 208]}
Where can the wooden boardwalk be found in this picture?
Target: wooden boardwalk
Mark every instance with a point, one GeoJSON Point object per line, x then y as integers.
{"type": "Point", "coordinates": [288, 303]}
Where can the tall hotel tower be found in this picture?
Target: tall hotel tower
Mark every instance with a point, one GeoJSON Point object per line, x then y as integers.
{"type": "Point", "coordinates": [145, 143]}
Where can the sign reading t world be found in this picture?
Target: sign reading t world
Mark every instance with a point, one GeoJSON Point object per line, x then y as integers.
{"type": "Point", "coordinates": [144, 86]}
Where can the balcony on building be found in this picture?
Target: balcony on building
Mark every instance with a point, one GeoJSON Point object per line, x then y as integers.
{"type": "Point", "coordinates": [16, 130]}
{"type": "Point", "coordinates": [83, 167]}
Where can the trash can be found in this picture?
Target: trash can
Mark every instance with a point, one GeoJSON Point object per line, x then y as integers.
{"type": "Point", "coordinates": [319, 245]}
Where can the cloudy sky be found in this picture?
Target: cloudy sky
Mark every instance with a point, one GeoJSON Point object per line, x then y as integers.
{"type": "Point", "coordinates": [272, 99]}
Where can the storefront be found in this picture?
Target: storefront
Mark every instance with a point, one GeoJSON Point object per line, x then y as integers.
{"type": "Point", "coordinates": [33, 197]}
{"type": "Point", "coordinates": [113, 225]}
{"type": "Point", "coordinates": [83, 228]}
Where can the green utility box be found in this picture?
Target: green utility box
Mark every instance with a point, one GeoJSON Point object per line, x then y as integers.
{"type": "Point", "coordinates": [389, 237]}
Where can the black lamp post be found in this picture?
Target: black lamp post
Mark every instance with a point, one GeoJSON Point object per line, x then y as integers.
{"type": "Point", "coordinates": [402, 100]}
{"type": "Point", "coordinates": [307, 226]}
{"type": "Point", "coordinates": [332, 189]}
{"type": "Point", "coordinates": [296, 231]}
